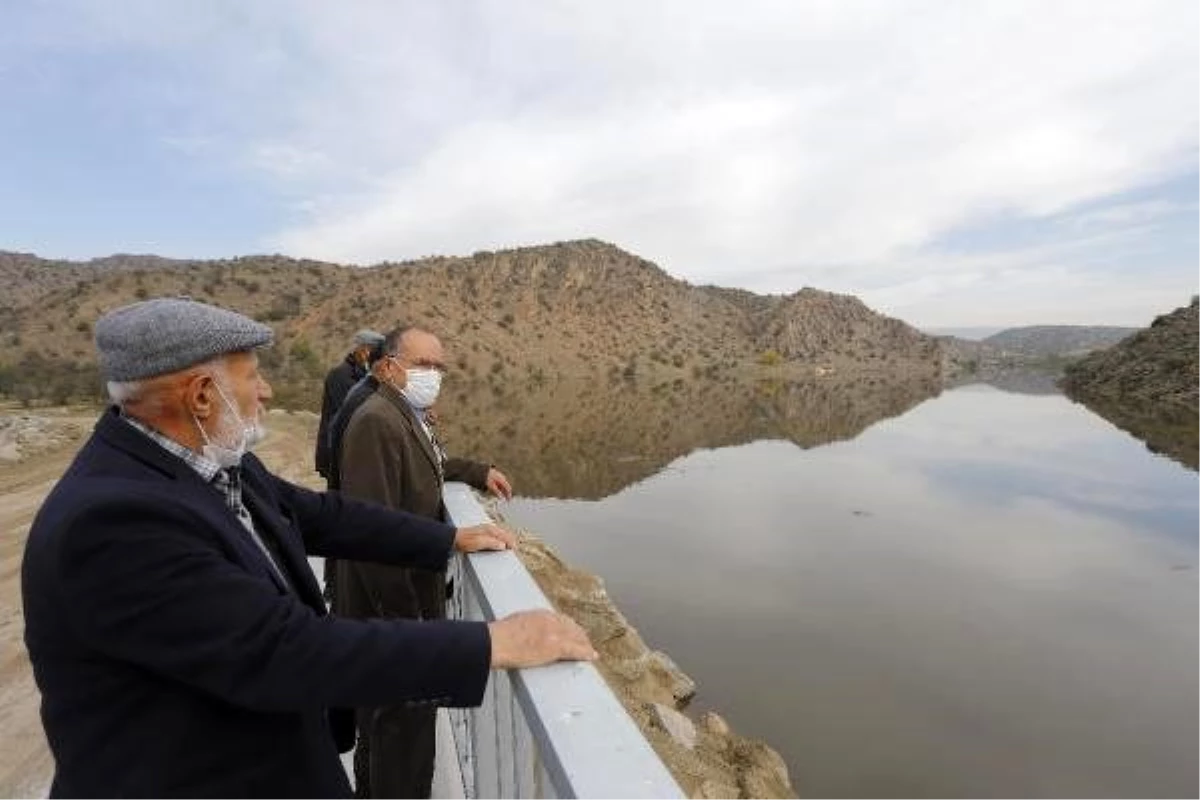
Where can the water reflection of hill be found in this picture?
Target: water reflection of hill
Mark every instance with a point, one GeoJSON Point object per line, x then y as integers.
{"type": "Point", "coordinates": [1020, 381]}
{"type": "Point", "coordinates": [589, 440]}
{"type": "Point", "coordinates": [1168, 430]}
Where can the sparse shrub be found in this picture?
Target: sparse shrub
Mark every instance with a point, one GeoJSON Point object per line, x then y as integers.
{"type": "Point", "coordinates": [284, 307]}
{"type": "Point", "coordinates": [769, 358]}
{"type": "Point", "coordinates": [25, 394]}
{"type": "Point", "coordinates": [304, 356]}
{"type": "Point", "coordinates": [269, 358]}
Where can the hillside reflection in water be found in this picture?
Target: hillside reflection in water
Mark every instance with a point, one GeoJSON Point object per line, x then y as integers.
{"type": "Point", "coordinates": [986, 594]}
{"type": "Point", "coordinates": [588, 440]}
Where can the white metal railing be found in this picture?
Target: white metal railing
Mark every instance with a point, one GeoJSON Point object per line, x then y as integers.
{"type": "Point", "coordinates": [553, 731]}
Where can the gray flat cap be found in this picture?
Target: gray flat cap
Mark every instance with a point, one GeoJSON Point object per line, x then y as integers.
{"type": "Point", "coordinates": [368, 337]}
{"type": "Point", "coordinates": [167, 334]}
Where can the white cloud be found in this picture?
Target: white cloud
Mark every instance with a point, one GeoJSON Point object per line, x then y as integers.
{"type": "Point", "coordinates": [772, 145]}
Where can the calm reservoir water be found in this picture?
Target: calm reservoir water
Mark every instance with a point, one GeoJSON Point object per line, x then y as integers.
{"type": "Point", "coordinates": [972, 593]}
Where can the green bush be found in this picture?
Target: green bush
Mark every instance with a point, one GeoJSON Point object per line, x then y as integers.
{"type": "Point", "coordinates": [770, 358]}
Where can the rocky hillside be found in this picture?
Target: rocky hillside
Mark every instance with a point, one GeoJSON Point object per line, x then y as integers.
{"type": "Point", "coordinates": [967, 357]}
{"type": "Point", "coordinates": [1038, 341]}
{"type": "Point", "coordinates": [1148, 384]}
{"type": "Point", "coordinates": [1157, 365]}
{"type": "Point", "coordinates": [811, 326]}
{"type": "Point", "coordinates": [582, 308]}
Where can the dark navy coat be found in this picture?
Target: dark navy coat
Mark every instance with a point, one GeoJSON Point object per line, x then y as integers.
{"type": "Point", "coordinates": [171, 660]}
{"type": "Point", "coordinates": [338, 383]}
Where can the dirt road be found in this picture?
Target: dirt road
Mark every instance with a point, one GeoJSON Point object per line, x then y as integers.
{"type": "Point", "coordinates": [25, 763]}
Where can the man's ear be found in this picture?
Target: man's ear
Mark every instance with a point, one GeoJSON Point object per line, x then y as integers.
{"type": "Point", "coordinates": [199, 395]}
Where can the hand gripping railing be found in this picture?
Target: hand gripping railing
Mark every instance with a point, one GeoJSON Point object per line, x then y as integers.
{"type": "Point", "coordinates": [553, 731]}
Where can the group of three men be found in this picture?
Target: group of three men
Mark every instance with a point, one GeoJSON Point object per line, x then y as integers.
{"type": "Point", "coordinates": [376, 442]}
{"type": "Point", "coordinates": [178, 637]}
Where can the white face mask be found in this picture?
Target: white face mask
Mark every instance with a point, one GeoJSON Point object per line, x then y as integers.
{"type": "Point", "coordinates": [421, 387]}
{"type": "Point", "coordinates": [248, 435]}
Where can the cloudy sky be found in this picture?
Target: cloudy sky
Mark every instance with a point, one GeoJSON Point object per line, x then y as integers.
{"type": "Point", "coordinates": [951, 163]}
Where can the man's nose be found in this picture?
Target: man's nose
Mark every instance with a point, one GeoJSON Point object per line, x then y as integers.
{"type": "Point", "coordinates": [264, 390]}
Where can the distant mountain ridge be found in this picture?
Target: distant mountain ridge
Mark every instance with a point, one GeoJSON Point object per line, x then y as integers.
{"type": "Point", "coordinates": [1046, 347]}
{"type": "Point", "coordinates": [582, 307]}
{"type": "Point", "coordinates": [1057, 340]}
{"type": "Point", "coordinates": [971, 333]}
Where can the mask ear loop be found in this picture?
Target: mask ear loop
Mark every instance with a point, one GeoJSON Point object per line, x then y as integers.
{"type": "Point", "coordinates": [232, 408]}
{"type": "Point", "coordinates": [196, 420]}
{"type": "Point", "coordinates": [199, 427]}
{"type": "Point", "coordinates": [229, 403]}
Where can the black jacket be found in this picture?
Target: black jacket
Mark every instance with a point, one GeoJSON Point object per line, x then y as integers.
{"type": "Point", "coordinates": [357, 395]}
{"type": "Point", "coordinates": [172, 663]}
{"type": "Point", "coordinates": [337, 385]}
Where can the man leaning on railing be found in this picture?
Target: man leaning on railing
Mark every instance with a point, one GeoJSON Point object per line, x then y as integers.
{"type": "Point", "coordinates": [177, 634]}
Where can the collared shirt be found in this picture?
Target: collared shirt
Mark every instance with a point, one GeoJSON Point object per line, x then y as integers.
{"type": "Point", "coordinates": [420, 414]}
{"type": "Point", "coordinates": [227, 481]}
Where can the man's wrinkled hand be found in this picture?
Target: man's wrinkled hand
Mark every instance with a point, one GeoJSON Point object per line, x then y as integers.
{"type": "Point", "coordinates": [533, 638]}
{"type": "Point", "coordinates": [498, 485]}
{"type": "Point", "coordinates": [487, 536]}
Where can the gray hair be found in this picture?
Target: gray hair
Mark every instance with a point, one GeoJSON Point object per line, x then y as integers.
{"type": "Point", "coordinates": [125, 393]}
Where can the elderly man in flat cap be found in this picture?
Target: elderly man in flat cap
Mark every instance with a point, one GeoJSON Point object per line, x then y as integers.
{"type": "Point", "coordinates": [177, 635]}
